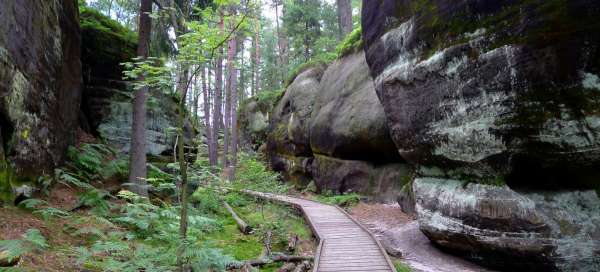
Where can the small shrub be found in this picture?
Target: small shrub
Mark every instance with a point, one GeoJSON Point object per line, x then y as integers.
{"type": "Point", "coordinates": [252, 174]}
{"type": "Point", "coordinates": [31, 241]}
{"type": "Point", "coordinates": [319, 60]}
{"type": "Point", "coordinates": [402, 267]}
{"type": "Point", "coordinates": [207, 200]}
{"type": "Point", "coordinates": [352, 43]}
{"type": "Point", "coordinates": [95, 199]}
{"type": "Point", "coordinates": [347, 200]}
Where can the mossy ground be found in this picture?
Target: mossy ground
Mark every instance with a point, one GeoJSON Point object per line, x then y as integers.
{"type": "Point", "coordinates": [260, 216]}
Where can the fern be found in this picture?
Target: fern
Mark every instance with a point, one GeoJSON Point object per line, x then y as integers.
{"type": "Point", "coordinates": [69, 179]}
{"type": "Point", "coordinates": [95, 199]}
{"type": "Point", "coordinates": [35, 239]}
{"type": "Point", "coordinates": [32, 240]}
{"type": "Point", "coordinates": [32, 203]}
{"type": "Point", "coordinates": [49, 212]}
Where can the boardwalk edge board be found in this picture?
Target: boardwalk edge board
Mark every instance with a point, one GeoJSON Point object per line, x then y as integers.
{"type": "Point", "coordinates": [286, 200]}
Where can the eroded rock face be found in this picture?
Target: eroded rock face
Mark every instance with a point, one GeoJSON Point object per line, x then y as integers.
{"type": "Point", "coordinates": [107, 99]}
{"type": "Point", "coordinates": [473, 98]}
{"type": "Point", "coordinates": [40, 85]}
{"type": "Point", "coordinates": [540, 231]}
{"type": "Point", "coordinates": [495, 92]}
{"type": "Point", "coordinates": [347, 119]}
{"type": "Point", "coordinates": [330, 127]}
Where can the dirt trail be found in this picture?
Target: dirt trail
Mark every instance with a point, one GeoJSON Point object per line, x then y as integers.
{"type": "Point", "coordinates": [399, 233]}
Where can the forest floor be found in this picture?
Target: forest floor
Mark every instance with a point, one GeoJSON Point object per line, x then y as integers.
{"type": "Point", "coordinates": [80, 228]}
{"type": "Point", "coordinates": [399, 233]}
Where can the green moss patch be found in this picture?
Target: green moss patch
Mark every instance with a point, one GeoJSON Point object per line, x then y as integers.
{"type": "Point", "coordinates": [105, 43]}
{"type": "Point", "coordinates": [351, 44]}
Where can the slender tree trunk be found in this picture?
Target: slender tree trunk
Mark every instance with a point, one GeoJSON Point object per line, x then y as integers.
{"type": "Point", "coordinates": [306, 43]}
{"type": "Point", "coordinates": [194, 99]}
{"type": "Point", "coordinates": [230, 93]}
{"type": "Point", "coordinates": [257, 57]}
{"type": "Point", "coordinates": [137, 173]}
{"type": "Point", "coordinates": [285, 47]}
{"type": "Point", "coordinates": [252, 68]}
{"type": "Point", "coordinates": [234, 132]}
{"type": "Point", "coordinates": [242, 86]}
{"type": "Point", "coordinates": [183, 169]}
{"type": "Point", "coordinates": [282, 44]}
{"type": "Point", "coordinates": [344, 9]}
{"type": "Point", "coordinates": [110, 4]}
{"type": "Point", "coordinates": [212, 152]}
{"type": "Point", "coordinates": [218, 117]}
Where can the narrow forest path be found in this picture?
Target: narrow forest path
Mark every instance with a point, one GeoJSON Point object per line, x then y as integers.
{"type": "Point", "coordinates": [344, 244]}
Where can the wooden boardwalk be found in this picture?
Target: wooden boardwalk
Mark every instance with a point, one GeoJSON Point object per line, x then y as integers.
{"type": "Point", "coordinates": [344, 244]}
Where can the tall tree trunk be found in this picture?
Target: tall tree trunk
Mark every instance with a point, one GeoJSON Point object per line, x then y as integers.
{"type": "Point", "coordinates": [257, 57]}
{"type": "Point", "coordinates": [212, 151]}
{"type": "Point", "coordinates": [137, 173]}
{"type": "Point", "coordinates": [218, 117]}
{"type": "Point", "coordinates": [282, 44]}
{"type": "Point", "coordinates": [242, 85]}
{"type": "Point", "coordinates": [183, 222]}
{"type": "Point", "coordinates": [194, 99]}
{"type": "Point", "coordinates": [306, 43]}
{"type": "Point", "coordinates": [234, 132]}
{"type": "Point", "coordinates": [344, 10]}
{"type": "Point", "coordinates": [230, 93]}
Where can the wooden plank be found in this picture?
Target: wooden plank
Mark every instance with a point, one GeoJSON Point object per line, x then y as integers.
{"type": "Point", "coordinates": [344, 244]}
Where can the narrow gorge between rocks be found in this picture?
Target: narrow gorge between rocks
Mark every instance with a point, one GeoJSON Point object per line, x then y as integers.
{"type": "Point", "coordinates": [299, 135]}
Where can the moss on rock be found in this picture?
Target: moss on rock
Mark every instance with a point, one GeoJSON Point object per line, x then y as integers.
{"type": "Point", "coordinates": [105, 43]}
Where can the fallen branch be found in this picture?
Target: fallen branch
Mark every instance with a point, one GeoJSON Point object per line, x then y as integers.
{"type": "Point", "coordinates": [292, 242]}
{"type": "Point", "coordinates": [244, 228]}
{"type": "Point", "coordinates": [303, 267]}
{"type": "Point", "coordinates": [267, 243]}
{"type": "Point", "coordinates": [275, 258]}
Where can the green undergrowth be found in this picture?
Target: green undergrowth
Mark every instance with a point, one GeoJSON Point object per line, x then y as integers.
{"type": "Point", "coordinates": [351, 44]}
{"type": "Point", "coordinates": [401, 267]}
{"type": "Point", "coordinates": [126, 232]}
{"type": "Point", "coordinates": [346, 200]}
{"type": "Point", "coordinates": [321, 60]}
{"type": "Point", "coordinates": [262, 216]}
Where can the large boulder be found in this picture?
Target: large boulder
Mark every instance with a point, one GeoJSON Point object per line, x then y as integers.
{"type": "Point", "coordinates": [288, 145]}
{"type": "Point", "coordinates": [347, 118]}
{"type": "Point", "coordinates": [253, 118]}
{"type": "Point", "coordinates": [40, 81]}
{"type": "Point", "coordinates": [504, 93]}
{"type": "Point", "coordinates": [330, 127]}
{"type": "Point", "coordinates": [290, 121]}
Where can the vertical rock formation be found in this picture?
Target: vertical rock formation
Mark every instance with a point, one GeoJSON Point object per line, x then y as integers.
{"type": "Point", "coordinates": [107, 99]}
{"type": "Point", "coordinates": [40, 81]}
{"type": "Point", "coordinates": [496, 103]}
{"type": "Point", "coordinates": [330, 127]}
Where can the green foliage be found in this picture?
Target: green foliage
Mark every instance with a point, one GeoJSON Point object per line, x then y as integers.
{"type": "Point", "coordinates": [252, 174]}
{"type": "Point", "coordinates": [48, 212]}
{"type": "Point", "coordinates": [402, 267]}
{"type": "Point", "coordinates": [206, 200]}
{"type": "Point", "coordinates": [347, 200]}
{"type": "Point", "coordinates": [32, 203]}
{"type": "Point", "coordinates": [319, 60]}
{"type": "Point", "coordinates": [155, 74]}
{"type": "Point", "coordinates": [32, 241]}
{"type": "Point", "coordinates": [41, 207]}
{"type": "Point", "coordinates": [105, 42]}
{"type": "Point", "coordinates": [92, 19]}
{"type": "Point", "coordinates": [95, 199]}
{"type": "Point", "coordinates": [93, 162]}
{"type": "Point", "coordinates": [267, 99]}
{"type": "Point", "coordinates": [352, 43]}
